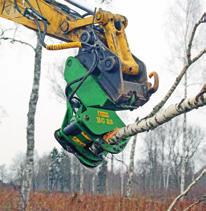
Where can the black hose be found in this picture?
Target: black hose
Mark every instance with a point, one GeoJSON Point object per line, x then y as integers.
{"type": "Point", "coordinates": [82, 79]}
{"type": "Point", "coordinates": [80, 7]}
{"type": "Point", "coordinates": [17, 8]}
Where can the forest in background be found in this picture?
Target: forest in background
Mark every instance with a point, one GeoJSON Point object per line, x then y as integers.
{"type": "Point", "coordinates": [172, 154]}
{"type": "Point", "coordinates": [157, 174]}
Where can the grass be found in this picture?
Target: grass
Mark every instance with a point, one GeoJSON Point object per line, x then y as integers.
{"type": "Point", "coordinates": [43, 201]}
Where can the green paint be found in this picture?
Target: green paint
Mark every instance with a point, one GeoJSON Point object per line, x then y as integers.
{"type": "Point", "coordinates": [92, 120]}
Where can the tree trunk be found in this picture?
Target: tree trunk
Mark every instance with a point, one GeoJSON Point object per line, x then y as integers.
{"type": "Point", "coordinates": [93, 183]}
{"type": "Point", "coordinates": [102, 178]}
{"type": "Point", "coordinates": [122, 176]}
{"type": "Point", "coordinates": [81, 185]}
{"type": "Point", "coordinates": [28, 170]}
{"type": "Point", "coordinates": [184, 143]}
{"type": "Point", "coordinates": [131, 168]}
{"type": "Point", "coordinates": [72, 175]}
{"type": "Point", "coordinates": [163, 176]}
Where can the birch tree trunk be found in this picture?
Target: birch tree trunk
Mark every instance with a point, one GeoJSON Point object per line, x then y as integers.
{"type": "Point", "coordinates": [81, 185]}
{"type": "Point", "coordinates": [112, 164]}
{"type": "Point", "coordinates": [28, 170]}
{"type": "Point", "coordinates": [93, 183]}
{"type": "Point", "coordinates": [72, 175]}
{"type": "Point", "coordinates": [122, 176]}
{"type": "Point", "coordinates": [184, 143]}
{"type": "Point", "coordinates": [162, 183]}
{"type": "Point", "coordinates": [131, 167]}
{"type": "Point", "coordinates": [102, 178]}
{"type": "Point", "coordinates": [163, 116]}
{"type": "Point", "coordinates": [190, 10]}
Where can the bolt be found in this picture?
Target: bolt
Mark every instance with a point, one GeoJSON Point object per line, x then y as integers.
{"type": "Point", "coordinates": [64, 27]}
{"type": "Point", "coordinates": [98, 16]}
{"type": "Point", "coordinates": [69, 63]}
{"type": "Point", "coordinates": [86, 117]}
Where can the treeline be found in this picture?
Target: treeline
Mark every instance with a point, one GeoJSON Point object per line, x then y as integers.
{"type": "Point", "coordinates": [159, 170]}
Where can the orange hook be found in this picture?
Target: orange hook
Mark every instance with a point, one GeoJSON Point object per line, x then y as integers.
{"type": "Point", "coordinates": [154, 88]}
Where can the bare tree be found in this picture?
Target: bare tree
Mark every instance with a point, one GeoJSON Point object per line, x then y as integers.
{"type": "Point", "coordinates": [41, 173]}
{"type": "Point", "coordinates": [81, 185]}
{"type": "Point", "coordinates": [102, 178]}
{"type": "Point", "coordinates": [200, 200]}
{"type": "Point", "coordinates": [158, 115]}
{"type": "Point", "coordinates": [190, 186]}
{"type": "Point", "coordinates": [131, 167]}
{"type": "Point", "coordinates": [186, 12]}
{"type": "Point", "coordinates": [54, 170]}
{"type": "Point", "coordinates": [122, 175]}
{"type": "Point", "coordinates": [3, 173]}
{"type": "Point", "coordinates": [28, 171]}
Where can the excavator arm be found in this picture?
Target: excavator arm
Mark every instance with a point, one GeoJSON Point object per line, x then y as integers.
{"type": "Point", "coordinates": [61, 22]}
{"type": "Point", "coordinates": [103, 78]}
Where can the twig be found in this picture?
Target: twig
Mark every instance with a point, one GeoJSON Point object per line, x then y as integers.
{"type": "Point", "coordinates": [194, 182]}
{"type": "Point", "coordinates": [192, 37]}
{"type": "Point", "coordinates": [13, 40]}
{"type": "Point", "coordinates": [121, 161]}
{"type": "Point", "coordinates": [202, 91]}
{"type": "Point", "coordinates": [195, 203]}
{"type": "Point", "coordinates": [183, 71]}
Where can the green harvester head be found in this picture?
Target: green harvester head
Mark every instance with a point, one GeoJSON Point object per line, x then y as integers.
{"type": "Point", "coordinates": [89, 116]}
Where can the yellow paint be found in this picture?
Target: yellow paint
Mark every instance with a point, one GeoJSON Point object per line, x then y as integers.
{"type": "Point", "coordinates": [103, 114]}
{"type": "Point", "coordinates": [109, 122]}
{"type": "Point", "coordinates": [86, 136]}
{"type": "Point", "coordinates": [66, 28]}
{"type": "Point", "coordinates": [62, 46]}
{"type": "Point", "coordinates": [78, 141]}
{"type": "Point", "coordinates": [101, 120]}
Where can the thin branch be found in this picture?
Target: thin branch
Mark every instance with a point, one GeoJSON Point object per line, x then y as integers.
{"type": "Point", "coordinates": [175, 84]}
{"type": "Point", "coordinates": [163, 116]}
{"type": "Point", "coordinates": [121, 161]}
{"type": "Point", "coordinates": [203, 199]}
{"type": "Point", "coordinates": [194, 182]}
{"type": "Point", "coordinates": [183, 71]}
{"type": "Point", "coordinates": [13, 40]}
{"type": "Point", "coordinates": [189, 47]}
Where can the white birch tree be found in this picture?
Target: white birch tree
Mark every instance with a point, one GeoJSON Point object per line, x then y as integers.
{"type": "Point", "coordinates": [27, 173]}
{"type": "Point", "coordinates": [131, 167]}
{"type": "Point", "coordinates": [185, 12]}
{"type": "Point", "coordinates": [158, 115]}
{"type": "Point", "coordinates": [28, 170]}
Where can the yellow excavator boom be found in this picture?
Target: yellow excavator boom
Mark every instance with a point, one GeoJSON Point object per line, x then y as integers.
{"type": "Point", "coordinates": [44, 15]}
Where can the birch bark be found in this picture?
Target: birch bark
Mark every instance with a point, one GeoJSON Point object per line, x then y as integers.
{"type": "Point", "coordinates": [131, 168]}
{"type": "Point", "coordinates": [81, 185]}
{"type": "Point", "coordinates": [28, 170]}
{"type": "Point", "coordinates": [165, 115]}
{"type": "Point", "coordinates": [184, 143]}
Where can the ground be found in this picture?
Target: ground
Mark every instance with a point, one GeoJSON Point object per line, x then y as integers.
{"type": "Point", "coordinates": [44, 201]}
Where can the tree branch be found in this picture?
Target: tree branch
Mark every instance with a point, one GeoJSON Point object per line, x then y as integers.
{"type": "Point", "coordinates": [13, 40]}
{"type": "Point", "coordinates": [202, 199]}
{"type": "Point", "coordinates": [174, 110]}
{"type": "Point", "coordinates": [189, 47]}
{"type": "Point", "coordinates": [184, 69]}
{"type": "Point", "coordinates": [194, 182]}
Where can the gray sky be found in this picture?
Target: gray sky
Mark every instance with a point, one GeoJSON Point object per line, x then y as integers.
{"type": "Point", "coordinates": [147, 41]}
